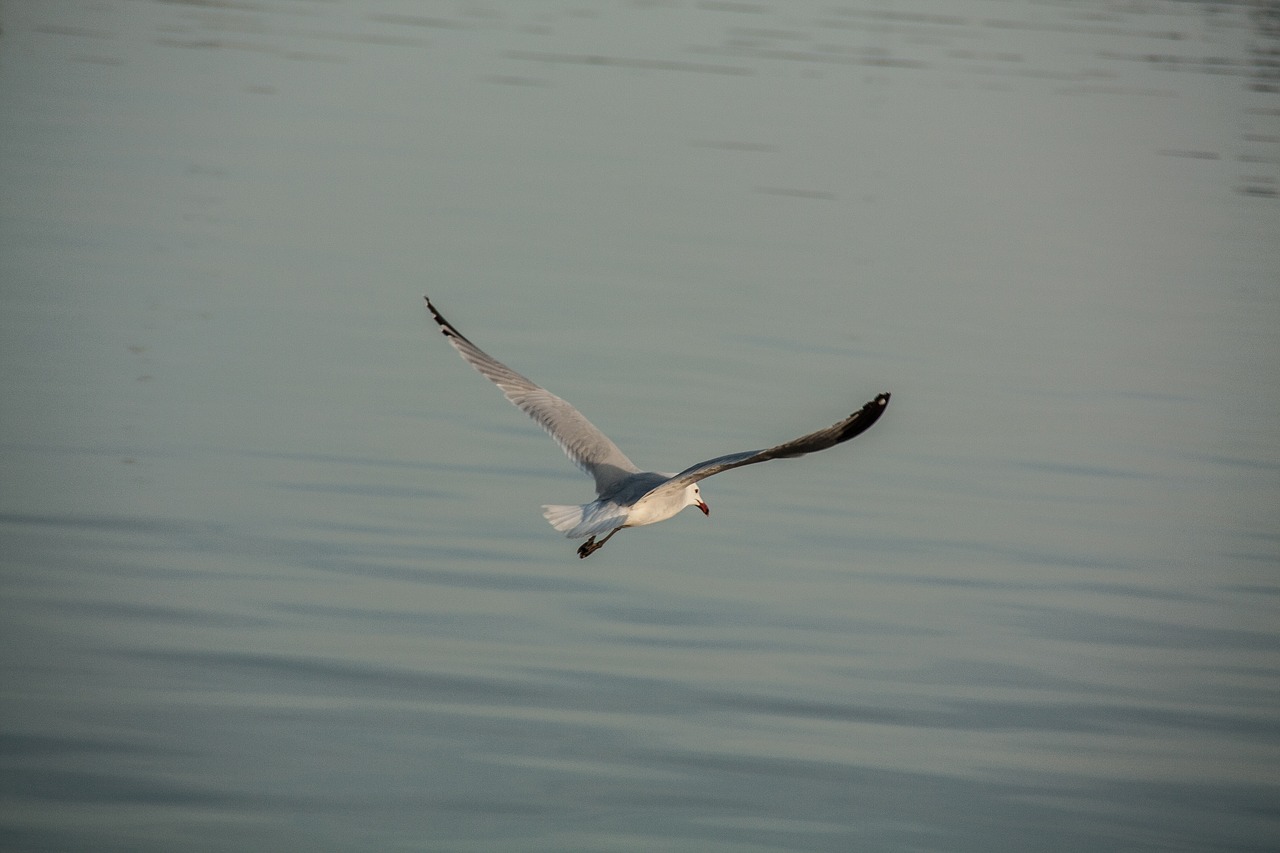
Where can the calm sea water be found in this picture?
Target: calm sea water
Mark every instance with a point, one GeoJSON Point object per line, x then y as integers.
{"type": "Point", "coordinates": [274, 571]}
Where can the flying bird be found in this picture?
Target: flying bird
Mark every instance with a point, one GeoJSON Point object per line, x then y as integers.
{"type": "Point", "coordinates": [625, 495]}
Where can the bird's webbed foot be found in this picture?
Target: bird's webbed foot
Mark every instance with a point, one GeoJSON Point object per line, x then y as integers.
{"type": "Point", "coordinates": [591, 545]}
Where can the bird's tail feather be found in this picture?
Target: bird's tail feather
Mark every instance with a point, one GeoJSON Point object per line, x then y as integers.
{"type": "Point", "coordinates": [564, 517]}
{"type": "Point", "coordinates": [585, 520]}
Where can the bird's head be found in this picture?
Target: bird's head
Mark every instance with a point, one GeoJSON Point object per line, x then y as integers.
{"type": "Point", "coordinates": [693, 497]}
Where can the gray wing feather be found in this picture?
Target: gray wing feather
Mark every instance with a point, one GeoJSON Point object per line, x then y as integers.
{"type": "Point", "coordinates": [837, 433]}
{"type": "Point", "coordinates": [589, 448]}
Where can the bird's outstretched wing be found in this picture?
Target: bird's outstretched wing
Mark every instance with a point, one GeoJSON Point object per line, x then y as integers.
{"type": "Point", "coordinates": [589, 448]}
{"type": "Point", "coordinates": [856, 423]}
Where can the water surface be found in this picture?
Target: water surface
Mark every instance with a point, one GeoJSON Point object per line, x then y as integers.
{"type": "Point", "coordinates": [274, 572]}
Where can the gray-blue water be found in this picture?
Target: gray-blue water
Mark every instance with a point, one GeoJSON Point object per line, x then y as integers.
{"type": "Point", "coordinates": [274, 570]}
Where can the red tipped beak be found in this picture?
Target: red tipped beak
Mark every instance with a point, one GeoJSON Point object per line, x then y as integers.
{"type": "Point", "coordinates": [706, 510]}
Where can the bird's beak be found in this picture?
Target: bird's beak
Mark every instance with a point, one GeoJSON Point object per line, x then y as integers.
{"type": "Point", "coordinates": [706, 510]}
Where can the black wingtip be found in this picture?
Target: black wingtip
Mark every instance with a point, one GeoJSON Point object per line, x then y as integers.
{"type": "Point", "coordinates": [875, 407]}
{"type": "Point", "coordinates": [861, 420]}
{"type": "Point", "coordinates": [446, 328]}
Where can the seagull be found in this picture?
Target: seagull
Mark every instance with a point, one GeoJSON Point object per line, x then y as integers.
{"type": "Point", "coordinates": [625, 495]}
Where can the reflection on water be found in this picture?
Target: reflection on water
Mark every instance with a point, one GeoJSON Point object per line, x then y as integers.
{"type": "Point", "coordinates": [274, 572]}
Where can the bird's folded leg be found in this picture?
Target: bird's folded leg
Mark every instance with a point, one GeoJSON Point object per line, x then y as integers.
{"type": "Point", "coordinates": [589, 547]}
